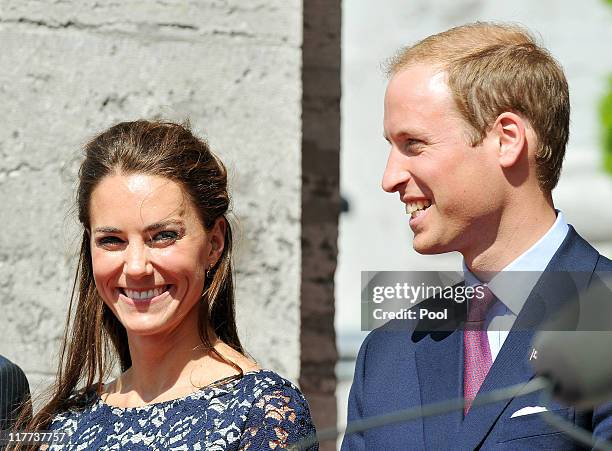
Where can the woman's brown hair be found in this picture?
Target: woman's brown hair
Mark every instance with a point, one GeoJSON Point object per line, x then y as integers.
{"type": "Point", "coordinates": [94, 339]}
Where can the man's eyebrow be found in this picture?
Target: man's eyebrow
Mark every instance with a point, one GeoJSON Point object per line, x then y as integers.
{"type": "Point", "coordinates": [149, 228]}
{"type": "Point", "coordinates": [409, 133]}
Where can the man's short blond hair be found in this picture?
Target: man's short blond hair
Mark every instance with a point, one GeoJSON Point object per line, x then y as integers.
{"type": "Point", "coordinates": [493, 68]}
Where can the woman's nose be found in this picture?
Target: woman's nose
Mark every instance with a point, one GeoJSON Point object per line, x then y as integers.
{"type": "Point", "coordinates": [137, 263]}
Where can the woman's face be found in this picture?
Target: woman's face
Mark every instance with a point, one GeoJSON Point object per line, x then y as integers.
{"type": "Point", "coordinates": [149, 251]}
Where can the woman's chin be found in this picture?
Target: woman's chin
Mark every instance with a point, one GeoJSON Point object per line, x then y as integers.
{"type": "Point", "coordinates": [145, 323]}
{"type": "Point", "coordinates": [143, 327]}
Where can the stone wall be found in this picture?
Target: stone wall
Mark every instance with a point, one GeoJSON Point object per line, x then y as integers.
{"type": "Point", "coordinates": [233, 68]}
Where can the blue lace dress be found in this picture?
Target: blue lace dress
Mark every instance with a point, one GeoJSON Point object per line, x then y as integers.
{"type": "Point", "coordinates": [259, 411]}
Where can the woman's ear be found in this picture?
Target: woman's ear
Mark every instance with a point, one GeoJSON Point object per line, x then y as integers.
{"type": "Point", "coordinates": [216, 238]}
{"type": "Point", "coordinates": [510, 129]}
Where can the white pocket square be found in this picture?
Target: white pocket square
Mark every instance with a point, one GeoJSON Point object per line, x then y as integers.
{"type": "Point", "coordinates": [528, 411]}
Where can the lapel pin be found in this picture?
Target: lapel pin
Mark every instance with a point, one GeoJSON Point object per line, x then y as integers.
{"type": "Point", "coordinates": [534, 354]}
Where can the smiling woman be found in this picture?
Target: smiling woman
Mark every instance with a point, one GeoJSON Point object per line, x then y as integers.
{"type": "Point", "coordinates": [154, 292]}
{"type": "Point", "coordinates": [150, 252]}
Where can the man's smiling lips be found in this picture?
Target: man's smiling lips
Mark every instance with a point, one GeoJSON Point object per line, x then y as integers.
{"type": "Point", "coordinates": [414, 206]}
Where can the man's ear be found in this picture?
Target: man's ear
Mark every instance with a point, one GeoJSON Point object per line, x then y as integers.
{"type": "Point", "coordinates": [217, 240]}
{"type": "Point", "coordinates": [510, 130]}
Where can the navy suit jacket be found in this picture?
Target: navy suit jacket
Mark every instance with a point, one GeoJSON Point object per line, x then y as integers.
{"type": "Point", "coordinates": [400, 369]}
{"type": "Point", "coordinates": [14, 392]}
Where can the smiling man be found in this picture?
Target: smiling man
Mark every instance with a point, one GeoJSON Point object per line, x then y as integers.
{"type": "Point", "coordinates": [477, 119]}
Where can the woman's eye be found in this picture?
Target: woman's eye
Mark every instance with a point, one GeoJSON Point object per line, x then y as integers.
{"type": "Point", "coordinates": [109, 241]}
{"type": "Point", "coordinates": [166, 235]}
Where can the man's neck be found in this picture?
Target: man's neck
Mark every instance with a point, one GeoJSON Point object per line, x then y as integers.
{"type": "Point", "coordinates": [518, 230]}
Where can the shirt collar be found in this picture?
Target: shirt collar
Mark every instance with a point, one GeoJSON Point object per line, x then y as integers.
{"type": "Point", "coordinates": [527, 268]}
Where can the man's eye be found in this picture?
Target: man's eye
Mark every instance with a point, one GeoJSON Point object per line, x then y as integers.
{"type": "Point", "coordinates": [412, 144]}
{"type": "Point", "coordinates": [166, 235]}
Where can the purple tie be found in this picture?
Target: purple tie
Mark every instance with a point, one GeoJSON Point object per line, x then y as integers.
{"type": "Point", "coordinates": [476, 352]}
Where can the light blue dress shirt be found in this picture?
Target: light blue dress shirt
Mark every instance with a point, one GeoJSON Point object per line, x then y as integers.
{"type": "Point", "coordinates": [512, 285]}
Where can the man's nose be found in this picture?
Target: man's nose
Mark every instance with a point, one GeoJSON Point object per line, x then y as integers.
{"type": "Point", "coordinates": [137, 262]}
{"type": "Point", "coordinates": [396, 173]}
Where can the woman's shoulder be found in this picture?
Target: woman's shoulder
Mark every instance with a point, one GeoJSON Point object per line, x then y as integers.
{"type": "Point", "coordinates": [252, 390]}
{"type": "Point", "coordinates": [260, 383]}
{"type": "Point", "coordinates": [265, 406]}
{"type": "Point", "coordinates": [262, 379]}
{"type": "Point", "coordinates": [78, 409]}
{"type": "Point", "coordinates": [277, 398]}
{"type": "Point", "coordinates": [243, 389]}
{"type": "Point", "coordinates": [279, 412]}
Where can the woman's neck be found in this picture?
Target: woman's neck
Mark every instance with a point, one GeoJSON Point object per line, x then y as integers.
{"type": "Point", "coordinates": [173, 365]}
{"type": "Point", "coordinates": [174, 361]}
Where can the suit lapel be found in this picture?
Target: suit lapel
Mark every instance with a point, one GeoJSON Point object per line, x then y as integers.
{"type": "Point", "coordinates": [512, 365]}
{"type": "Point", "coordinates": [439, 364]}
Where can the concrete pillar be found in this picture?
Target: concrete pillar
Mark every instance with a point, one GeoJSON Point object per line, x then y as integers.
{"type": "Point", "coordinates": [320, 205]}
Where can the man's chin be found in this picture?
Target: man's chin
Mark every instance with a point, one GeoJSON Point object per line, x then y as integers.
{"type": "Point", "coordinates": [426, 251]}
{"type": "Point", "coordinates": [428, 247]}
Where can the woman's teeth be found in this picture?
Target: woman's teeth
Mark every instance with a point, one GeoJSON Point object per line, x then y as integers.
{"type": "Point", "coordinates": [144, 294]}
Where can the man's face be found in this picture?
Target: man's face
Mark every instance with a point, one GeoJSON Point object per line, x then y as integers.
{"type": "Point", "coordinates": [453, 192]}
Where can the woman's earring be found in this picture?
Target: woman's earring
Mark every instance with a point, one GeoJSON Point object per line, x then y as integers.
{"type": "Point", "coordinates": [210, 267]}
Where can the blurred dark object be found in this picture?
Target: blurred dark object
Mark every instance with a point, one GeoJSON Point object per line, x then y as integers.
{"type": "Point", "coordinates": [345, 206]}
{"type": "Point", "coordinates": [573, 349]}
{"type": "Point", "coordinates": [14, 393]}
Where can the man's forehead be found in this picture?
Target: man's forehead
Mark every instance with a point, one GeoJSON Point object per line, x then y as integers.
{"type": "Point", "coordinates": [415, 97]}
{"type": "Point", "coordinates": [437, 83]}
{"type": "Point", "coordinates": [419, 79]}
{"type": "Point", "coordinates": [417, 90]}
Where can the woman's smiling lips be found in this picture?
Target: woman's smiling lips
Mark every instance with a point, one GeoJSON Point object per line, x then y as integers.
{"type": "Point", "coordinates": [141, 295]}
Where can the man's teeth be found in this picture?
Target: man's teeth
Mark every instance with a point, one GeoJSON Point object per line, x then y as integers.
{"type": "Point", "coordinates": [144, 294]}
{"type": "Point", "coordinates": [413, 207]}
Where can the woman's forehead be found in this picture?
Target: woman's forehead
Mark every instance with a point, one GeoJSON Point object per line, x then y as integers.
{"type": "Point", "coordinates": [138, 198]}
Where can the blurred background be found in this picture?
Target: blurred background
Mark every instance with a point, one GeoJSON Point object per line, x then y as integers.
{"type": "Point", "coordinates": [374, 234]}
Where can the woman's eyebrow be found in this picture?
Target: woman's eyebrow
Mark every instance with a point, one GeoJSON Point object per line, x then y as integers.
{"type": "Point", "coordinates": [162, 224]}
{"type": "Point", "coordinates": [149, 228]}
{"type": "Point", "coordinates": [106, 229]}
